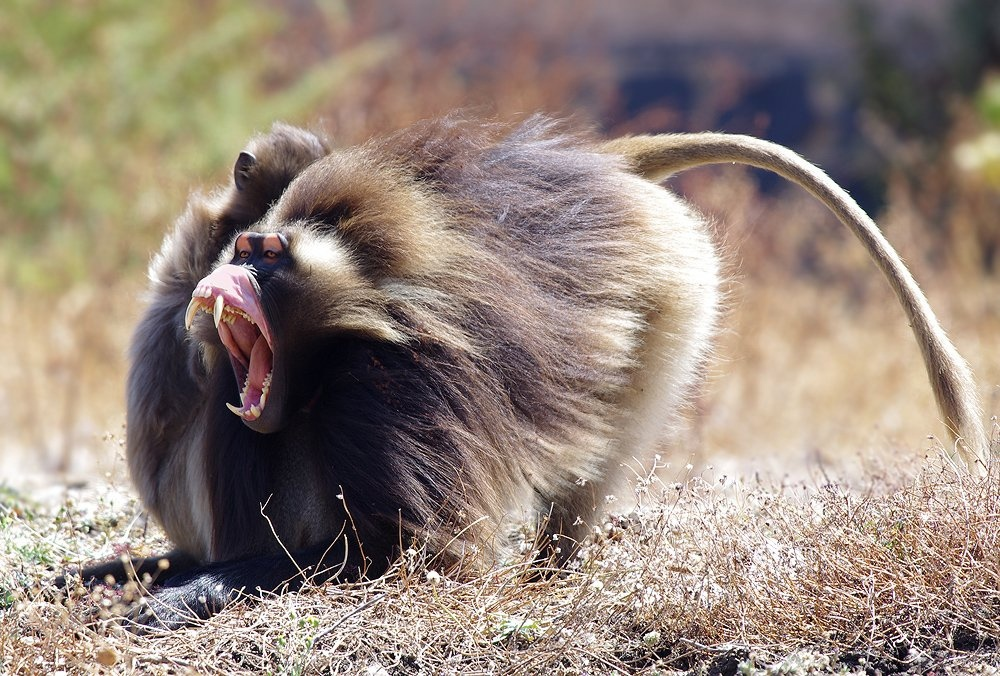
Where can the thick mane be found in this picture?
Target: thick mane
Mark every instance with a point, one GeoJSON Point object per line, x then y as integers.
{"type": "Point", "coordinates": [359, 349]}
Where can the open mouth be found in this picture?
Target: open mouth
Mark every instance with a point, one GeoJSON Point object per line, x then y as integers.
{"type": "Point", "coordinates": [230, 296]}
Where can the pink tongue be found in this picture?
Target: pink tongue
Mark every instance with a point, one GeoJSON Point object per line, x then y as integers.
{"type": "Point", "coordinates": [244, 336]}
{"type": "Point", "coordinates": [233, 345]}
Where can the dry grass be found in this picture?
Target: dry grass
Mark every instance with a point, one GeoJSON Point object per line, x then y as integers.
{"type": "Point", "coordinates": [815, 361]}
{"type": "Point", "coordinates": [705, 575]}
{"type": "Point", "coordinates": [62, 387]}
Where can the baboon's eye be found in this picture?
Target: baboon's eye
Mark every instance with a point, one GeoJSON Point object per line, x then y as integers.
{"type": "Point", "coordinates": [243, 248]}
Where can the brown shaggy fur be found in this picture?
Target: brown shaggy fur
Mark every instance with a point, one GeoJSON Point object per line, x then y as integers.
{"type": "Point", "coordinates": [475, 318]}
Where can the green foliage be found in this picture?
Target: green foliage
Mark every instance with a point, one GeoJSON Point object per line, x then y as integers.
{"type": "Point", "coordinates": [979, 155]}
{"type": "Point", "coordinates": [111, 111]}
{"type": "Point", "coordinates": [13, 505]}
{"type": "Point", "coordinates": [988, 102]}
{"type": "Point", "coordinates": [513, 627]}
{"type": "Point", "coordinates": [911, 69]}
{"type": "Point", "coordinates": [18, 550]}
{"type": "Point", "coordinates": [296, 647]}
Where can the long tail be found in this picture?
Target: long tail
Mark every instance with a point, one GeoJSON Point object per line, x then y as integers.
{"type": "Point", "coordinates": [656, 157]}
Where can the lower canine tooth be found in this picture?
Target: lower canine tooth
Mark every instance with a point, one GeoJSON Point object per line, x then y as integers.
{"type": "Point", "coordinates": [254, 411]}
{"type": "Point", "coordinates": [234, 409]}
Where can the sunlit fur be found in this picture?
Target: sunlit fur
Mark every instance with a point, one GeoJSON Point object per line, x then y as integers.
{"type": "Point", "coordinates": [477, 318]}
{"type": "Point", "coordinates": [495, 313]}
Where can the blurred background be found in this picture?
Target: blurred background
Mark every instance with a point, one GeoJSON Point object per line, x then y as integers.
{"type": "Point", "coordinates": [111, 112]}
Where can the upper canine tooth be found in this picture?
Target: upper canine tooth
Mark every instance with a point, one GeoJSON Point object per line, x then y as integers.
{"type": "Point", "coordinates": [192, 310]}
{"type": "Point", "coordinates": [220, 303]}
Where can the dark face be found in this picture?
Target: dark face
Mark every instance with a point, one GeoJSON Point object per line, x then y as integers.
{"type": "Point", "coordinates": [232, 295]}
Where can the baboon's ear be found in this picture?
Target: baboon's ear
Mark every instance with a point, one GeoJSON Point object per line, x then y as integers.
{"type": "Point", "coordinates": [241, 170]}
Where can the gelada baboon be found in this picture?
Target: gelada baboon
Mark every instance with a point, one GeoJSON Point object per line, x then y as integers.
{"type": "Point", "coordinates": [347, 350]}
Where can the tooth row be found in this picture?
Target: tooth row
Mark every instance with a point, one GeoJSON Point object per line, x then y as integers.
{"type": "Point", "coordinates": [265, 388]}
{"type": "Point", "coordinates": [254, 412]}
{"type": "Point", "coordinates": [230, 311]}
{"type": "Point", "coordinates": [220, 311]}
